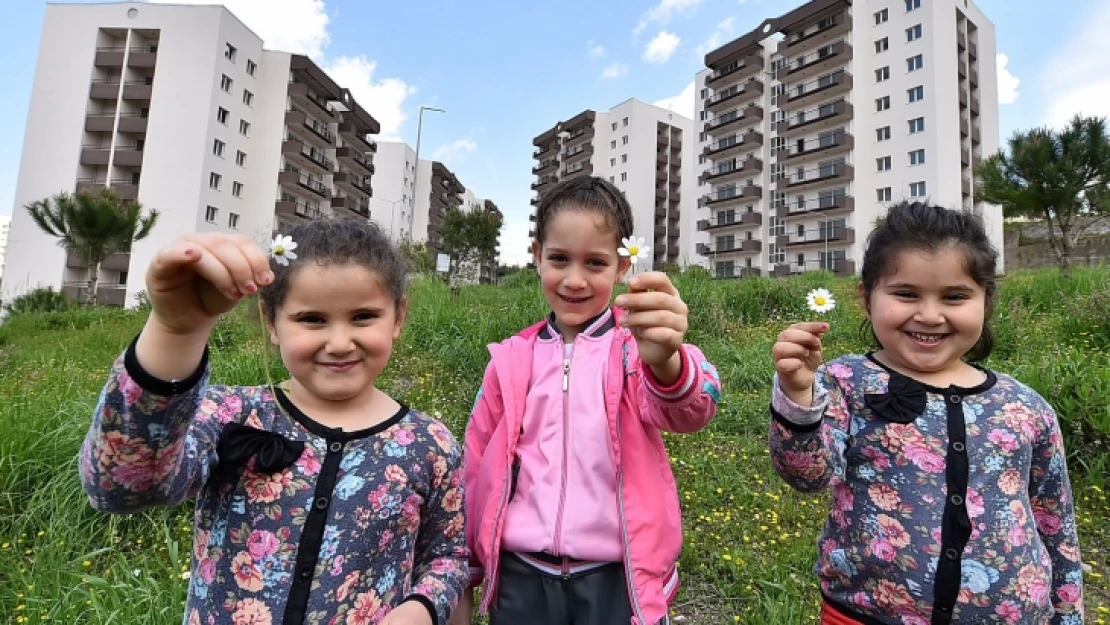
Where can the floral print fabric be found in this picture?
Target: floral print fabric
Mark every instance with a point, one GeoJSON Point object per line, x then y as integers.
{"type": "Point", "coordinates": [878, 553]}
{"type": "Point", "coordinates": [394, 516]}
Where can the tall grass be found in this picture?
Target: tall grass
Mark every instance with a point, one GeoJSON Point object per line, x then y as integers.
{"type": "Point", "coordinates": [749, 541]}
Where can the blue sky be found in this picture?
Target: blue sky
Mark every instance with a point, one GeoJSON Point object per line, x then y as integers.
{"type": "Point", "coordinates": [505, 71]}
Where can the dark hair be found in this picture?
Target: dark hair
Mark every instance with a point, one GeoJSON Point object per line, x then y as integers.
{"type": "Point", "coordinates": [590, 193]}
{"type": "Point", "coordinates": [332, 241]}
{"type": "Point", "coordinates": [929, 228]}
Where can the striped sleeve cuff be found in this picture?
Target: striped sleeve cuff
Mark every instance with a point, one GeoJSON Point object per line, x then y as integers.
{"type": "Point", "coordinates": [687, 375]}
{"type": "Point", "coordinates": [795, 414]}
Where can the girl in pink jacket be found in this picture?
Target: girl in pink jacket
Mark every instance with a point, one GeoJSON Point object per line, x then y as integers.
{"type": "Point", "coordinates": [572, 510]}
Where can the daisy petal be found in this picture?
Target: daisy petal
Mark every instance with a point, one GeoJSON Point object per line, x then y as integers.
{"type": "Point", "coordinates": [623, 252]}
{"type": "Point", "coordinates": [290, 255]}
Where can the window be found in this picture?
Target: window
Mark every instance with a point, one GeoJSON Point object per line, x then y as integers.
{"type": "Point", "coordinates": [881, 16]}
{"type": "Point", "coordinates": [612, 179]}
{"type": "Point", "coordinates": [240, 158]}
{"type": "Point", "coordinates": [210, 214]}
{"type": "Point", "coordinates": [225, 83]}
{"type": "Point", "coordinates": [913, 33]}
{"type": "Point", "coordinates": [221, 115]}
{"type": "Point", "coordinates": [883, 73]}
{"type": "Point", "coordinates": [251, 68]}
{"type": "Point", "coordinates": [214, 180]}
{"type": "Point", "coordinates": [237, 189]}
{"type": "Point", "coordinates": [614, 126]}
{"type": "Point", "coordinates": [882, 104]}
{"type": "Point", "coordinates": [883, 194]}
{"type": "Point", "coordinates": [917, 125]}
{"type": "Point", "coordinates": [248, 98]}
{"type": "Point", "coordinates": [882, 134]}
{"type": "Point", "coordinates": [912, 4]}
{"type": "Point", "coordinates": [613, 144]}
{"type": "Point", "coordinates": [916, 94]}
{"type": "Point", "coordinates": [914, 63]}
{"type": "Point", "coordinates": [625, 122]}
{"type": "Point", "coordinates": [229, 52]}
{"type": "Point", "coordinates": [882, 163]}
{"type": "Point", "coordinates": [232, 220]}
{"type": "Point", "coordinates": [624, 158]}
{"type": "Point", "coordinates": [917, 157]}
{"type": "Point", "coordinates": [218, 148]}
{"type": "Point", "coordinates": [612, 162]}
{"type": "Point", "coordinates": [624, 140]}
{"type": "Point", "coordinates": [882, 45]}
{"type": "Point", "coordinates": [244, 127]}
{"type": "Point", "coordinates": [624, 176]}
{"type": "Point", "coordinates": [917, 189]}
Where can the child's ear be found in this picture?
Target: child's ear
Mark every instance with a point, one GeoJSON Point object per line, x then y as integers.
{"type": "Point", "coordinates": [864, 300]}
{"type": "Point", "coordinates": [537, 250]}
{"type": "Point", "coordinates": [270, 329]}
{"type": "Point", "coordinates": [623, 265]}
{"type": "Point", "coordinates": [402, 314]}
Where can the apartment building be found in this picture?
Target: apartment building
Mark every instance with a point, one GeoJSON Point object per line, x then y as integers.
{"type": "Point", "coordinates": [394, 188]}
{"type": "Point", "coordinates": [638, 147]}
{"type": "Point", "coordinates": [485, 272]}
{"type": "Point", "coordinates": [437, 189]}
{"type": "Point", "coordinates": [5, 226]}
{"type": "Point", "coordinates": [817, 120]}
{"type": "Point", "coordinates": [183, 109]}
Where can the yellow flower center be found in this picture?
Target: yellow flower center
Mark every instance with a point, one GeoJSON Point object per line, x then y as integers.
{"type": "Point", "coordinates": [634, 250]}
{"type": "Point", "coordinates": [819, 300]}
{"type": "Point", "coordinates": [279, 250]}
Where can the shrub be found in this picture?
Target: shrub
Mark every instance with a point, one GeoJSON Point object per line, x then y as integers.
{"type": "Point", "coordinates": [40, 300]}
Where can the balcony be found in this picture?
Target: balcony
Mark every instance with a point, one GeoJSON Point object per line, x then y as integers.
{"type": "Point", "coordinates": [736, 220]}
{"type": "Point", "coordinates": [961, 40]}
{"type": "Point", "coordinates": [825, 145]}
{"type": "Point", "coordinates": [822, 174]}
{"type": "Point", "coordinates": [821, 203]}
{"type": "Point", "coordinates": [816, 119]}
{"type": "Point", "coordinates": [301, 94]}
{"type": "Point", "coordinates": [733, 144]}
{"type": "Point", "coordinates": [298, 182]}
{"type": "Point", "coordinates": [125, 189]}
{"type": "Point", "coordinates": [823, 88]}
{"type": "Point", "coordinates": [753, 87]}
{"type": "Point", "coordinates": [579, 136]}
{"type": "Point", "coordinates": [542, 182]}
{"type": "Point", "coordinates": [963, 99]}
{"type": "Point", "coordinates": [828, 29]}
{"type": "Point", "coordinates": [731, 169]}
{"type": "Point", "coordinates": [822, 60]}
{"type": "Point", "coordinates": [965, 157]}
{"type": "Point", "coordinates": [311, 131]}
{"type": "Point", "coordinates": [105, 89]}
{"type": "Point", "coordinates": [119, 261]}
{"type": "Point", "coordinates": [725, 197]}
{"type": "Point", "coordinates": [743, 246]}
{"type": "Point", "coordinates": [138, 90]}
{"type": "Point", "coordinates": [353, 183]}
{"type": "Point", "coordinates": [976, 136]}
{"type": "Point", "coordinates": [539, 153]}
{"type": "Point", "coordinates": [355, 136]}
{"type": "Point", "coordinates": [735, 71]}
{"type": "Point", "coordinates": [964, 127]}
{"type": "Point", "coordinates": [974, 106]}
{"type": "Point", "coordinates": [750, 114]}
{"type": "Point", "coordinates": [973, 78]}
{"type": "Point", "coordinates": [545, 166]}
{"type": "Point", "coordinates": [732, 272]}
{"type": "Point", "coordinates": [290, 206]}
{"type": "Point", "coordinates": [126, 155]}
{"type": "Point", "coordinates": [355, 159]}
{"type": "Point", "coordinates": [578, 152]}
{"type": "Point", "coordinates": [972, 51]}
{"type": "Point", "coordinates": [360, 208]}
{"type": "Point", "coordinates": [137, 56]}
{"type": "Point", "coordinates": [307, 156]}
{"type": "Point", "coordinates": [582, 168]}
{"type": "Point", "coordinates": [109, 294]}
{"type": "Point", "coordinates": [962, 65]}
{"type": "Point", "coordinates": [818, 236]}
{"type": "Point", "coordinates": [965, 186]}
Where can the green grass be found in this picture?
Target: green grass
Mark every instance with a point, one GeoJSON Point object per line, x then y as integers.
{"type": "Point", "coordinates": [750, 540]}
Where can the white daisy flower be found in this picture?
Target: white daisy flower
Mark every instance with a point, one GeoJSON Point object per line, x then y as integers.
{"type": "Point", "coordinates": [282, 249]}
{"type": "Point", "coordinates": [634, 248]}
{"type": "Point", "coordinates": [820, 301]}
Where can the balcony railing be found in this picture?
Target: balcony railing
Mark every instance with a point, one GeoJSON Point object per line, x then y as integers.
{"type": "Point", "coordinates": [816, 174]}
{"type": "Point", "coordinates": [821, 202]}
{"type": "Point", "coordinates": [312, 153]}
{"type": "Point", "coordinates": [823, 83]}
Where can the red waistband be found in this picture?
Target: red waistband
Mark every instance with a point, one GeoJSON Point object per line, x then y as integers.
{"type": "Point", "coordinates": [832, 616]}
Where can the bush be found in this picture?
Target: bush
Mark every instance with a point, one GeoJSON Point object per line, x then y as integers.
{"type": "Point", "coordinates": [41, 300]}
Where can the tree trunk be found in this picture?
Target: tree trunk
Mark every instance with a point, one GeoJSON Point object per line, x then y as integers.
{"type": "Point", "coordinates": [1066, 245]}
{"type": "Point", "coordinates": [90, 297]}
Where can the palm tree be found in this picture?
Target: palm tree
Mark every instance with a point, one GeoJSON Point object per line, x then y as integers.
{"type": "Point", "coordinates": [1062, 177]}
{"type": "Point", "coordinates": [92, 226]}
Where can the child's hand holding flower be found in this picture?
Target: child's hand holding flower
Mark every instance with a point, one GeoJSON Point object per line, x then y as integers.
{"type": "Point", "coordinates": [657, 317]}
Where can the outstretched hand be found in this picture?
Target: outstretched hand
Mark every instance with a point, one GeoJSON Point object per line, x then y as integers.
{"type": "Point", "coordinates": [657, 317]}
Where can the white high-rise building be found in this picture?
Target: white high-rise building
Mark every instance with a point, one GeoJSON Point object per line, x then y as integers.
{"type": "Point", "coordinates": [639, 147]}
{"type": "Point", "coordinates": [394, 188]}
{"type": "Point", "coordinates": [182, 108]}
{"type": "Point", "coordinates": [816, 121]}
{"type": "Point", "coordinates": [5, 226]}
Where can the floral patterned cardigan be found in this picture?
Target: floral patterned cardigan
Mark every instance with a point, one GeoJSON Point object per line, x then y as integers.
{"type": "Point", "coordinates": [295, 522]}
{"type": "Point", "coordinates": [948, 504]}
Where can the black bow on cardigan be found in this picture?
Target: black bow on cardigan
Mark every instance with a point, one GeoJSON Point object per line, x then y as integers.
{"type": "Point", "coordinates": [271, 451]}
{"type": "Point", "coordinates": [903, 402]}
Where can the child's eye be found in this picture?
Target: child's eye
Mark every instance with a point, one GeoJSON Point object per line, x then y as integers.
{"type": "Point", "coordinates": [904, 294]}
{"type": "Point", "coordinates": [594, 262]}
{"type": "Point", "coordinates": [956, 296]}
{"type": "Point", "coordinates": [557, 258]}
{"type": "Point", "coordinates": [311, 319]}
{"type": "Point", "coordinates": [366, 316]}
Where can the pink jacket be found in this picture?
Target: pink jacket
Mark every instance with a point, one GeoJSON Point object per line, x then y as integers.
{"type": "Point", "coordinates": [637, 408]}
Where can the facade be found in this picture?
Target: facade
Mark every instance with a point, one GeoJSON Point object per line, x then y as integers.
{"type": "Point", "coordinates": [394, 188]}
{"type": "Point", "coordinates": [816, 121]}
{"type": "Point", "coordinates": [640, 148]}
{"type": "Point", "coordinates": [183, 109]}
{"type": "Point", "coordinates": [5, 225]}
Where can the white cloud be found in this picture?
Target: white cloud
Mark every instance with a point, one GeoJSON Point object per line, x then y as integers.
{"type": "Point", "coordinates": [456, 150]}
{"type": "Point", "coordinates": [616, 70]}
{"type": "Point", "coordinates": [723, 32]}
{"type": "Point", "coordinates": [597, 50]}
{"type": "Point", "coordinates": [1007, 82]}
{"type": "Point", "coordinates": [515, 242]}
{"type": "Point", "coordinates": [301, 27]}
{"type": "Point", "coordinates": [660, 49]}
{"type": "Point", "coordinates": [683, 103]}
{"type": "Point", "coordinates": [1078, 76]}
{"type": "Point", "coordinates": [663, 11]}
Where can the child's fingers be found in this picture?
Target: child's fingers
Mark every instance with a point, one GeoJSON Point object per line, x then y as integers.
{"type": "Point", "coordinates": [789, 366]}
{"type": "Point", "coordinates": [800, 337]}
{"type": "Point", "coordinates": [784, 350]}
{"type": "Point", "coordinates": [257, 258]}
{"type": "Point", "coordinates": [655, 319]}
{"type": "Point", "coordinates": [813, 327]}
{"type": "Point", "coordinates": [170, 260]}
{"type": "Point", "coordinates": [652, 280]}
{"type": "Point", "coordinates": [216, 272]}
{"type": "Point", "coordinates": [653, 300]}
{"type": "Point", "coordinates": [659, 335]}
{"type": "Point", "coordinates": [234, 258]}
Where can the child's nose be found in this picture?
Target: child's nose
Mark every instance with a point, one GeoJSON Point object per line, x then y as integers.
{"type": "Point", "coordinates": [575, 279]}
{"type": "Point", "coordinates": [340, 341]}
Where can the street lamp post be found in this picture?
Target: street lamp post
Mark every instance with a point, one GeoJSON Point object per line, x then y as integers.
{"type": "Point", "coordinates": [416, 169]}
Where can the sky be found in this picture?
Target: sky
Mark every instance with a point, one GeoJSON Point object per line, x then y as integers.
{"type": "Point", "coordinates": [505, 71]}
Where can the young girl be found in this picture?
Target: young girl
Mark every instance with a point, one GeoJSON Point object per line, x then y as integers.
{"type": "Point", "coordinates": [951, 501]}
{"type": "Point", "coordinates": [325, 501]}
{"type": "Point", "coordinates": [575, 516]}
